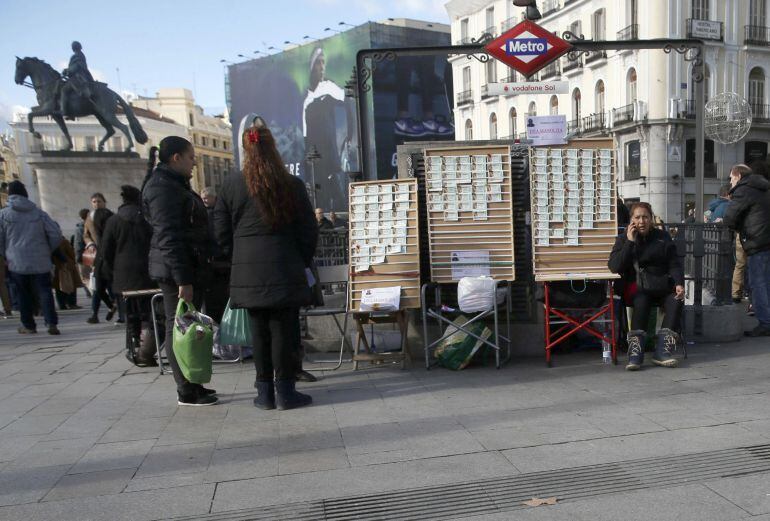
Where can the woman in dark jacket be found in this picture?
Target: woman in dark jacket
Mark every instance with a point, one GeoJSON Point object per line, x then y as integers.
{"type": "Point", "coordinates": [647, 260]}
{"type": "Point", "coordinates": [264, 219]}
{"type": "Point", "coordinates": [102, 292]}
{"type": "Point", "coordinates": [125, 249]}
{"type": "Point", "coordinates": [179, 247]}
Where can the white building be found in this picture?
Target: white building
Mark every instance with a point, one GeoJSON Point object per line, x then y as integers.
{"type": "Point", "coordinates": [642, 98]}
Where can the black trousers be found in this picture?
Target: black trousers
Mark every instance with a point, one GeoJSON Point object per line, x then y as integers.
{"type": "Point", "coordinates": [276, 339]}
{"type": "Point", "coordinates": [170, 300]}
{"type": "Point", "coordinates": [217, 292]}
{"type": "Point", "coordinates": [643, 303]}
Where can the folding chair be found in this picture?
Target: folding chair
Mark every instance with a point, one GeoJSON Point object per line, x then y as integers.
{"type": "Point", "coordinates": [332, 275]}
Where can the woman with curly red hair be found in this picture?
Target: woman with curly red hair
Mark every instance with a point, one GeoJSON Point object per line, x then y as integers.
{"type": "Point", "coordinates": [264, 220]}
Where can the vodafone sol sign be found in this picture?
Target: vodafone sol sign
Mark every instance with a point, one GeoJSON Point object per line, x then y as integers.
{"type": "Point", "coordinates": [527, 47]}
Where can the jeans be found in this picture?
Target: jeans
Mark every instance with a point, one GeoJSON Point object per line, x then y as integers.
{"type": "Point", "coordinates": [672, 309]}
{"type": "Point", "coordinates": [759, 281]}
{"type": "Point", "coordinates": [170, 300]}
{"type": "Point", "coordinates": [276, 340]}
{"type": "Point", "coordinates": [26, 286]}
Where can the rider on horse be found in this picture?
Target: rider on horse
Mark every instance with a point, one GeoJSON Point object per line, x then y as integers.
{"type": "Point", "coordinates": [79, 79]}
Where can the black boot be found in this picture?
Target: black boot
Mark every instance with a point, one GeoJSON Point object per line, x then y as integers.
{"type": "Point", "coordinates": [665, 344]}
{"type": "Point", "coordinates": [265, 395]}
{"type": "Point", "coordinates": [636, 339]}
{"type": "Point", "coordinates": [288, 398]}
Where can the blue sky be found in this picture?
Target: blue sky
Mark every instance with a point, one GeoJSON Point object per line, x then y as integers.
{"type": "Point", "coordinates": [167, 43]}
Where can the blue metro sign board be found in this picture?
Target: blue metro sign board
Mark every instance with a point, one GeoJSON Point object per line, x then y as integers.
{"type": "Point", "coordinates": [527, 47]}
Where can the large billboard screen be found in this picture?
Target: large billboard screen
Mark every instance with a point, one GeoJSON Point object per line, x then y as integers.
{"type": "Point", "coordinates": [301, 94]}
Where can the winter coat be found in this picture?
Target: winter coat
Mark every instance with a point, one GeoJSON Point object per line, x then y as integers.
{"type": "Point", "coordinates": [80, 243]}
{"type": "Point", "coordinates": [717, 207]}
{"type": "Point", "coordinates": [656, 252]}
{"type": "Point", "coordinates": [125, 250]}
{"type": "Point", "coordinates": [28, 236]}
{"type": "Point", "coordinates": [66, 276]}
{"type": "Point", "coordinates": [179, 246]}
{"type": "Point", "coordinates": [89, 231]}
{"type": "Point", "coordinates": [749, 213]}
{"type": "Point", "coordinates": [268, 265]}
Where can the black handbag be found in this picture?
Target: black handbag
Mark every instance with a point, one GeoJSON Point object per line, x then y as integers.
{"type": "Point", "coordinates": [651, 283]}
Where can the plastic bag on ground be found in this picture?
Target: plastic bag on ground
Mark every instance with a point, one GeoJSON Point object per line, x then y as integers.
{"type": "Point", "coordinates": [458, 349]}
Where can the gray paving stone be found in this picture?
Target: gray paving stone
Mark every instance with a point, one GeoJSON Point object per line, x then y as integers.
{"type": "Point", "coordinates": [241, 463]}
{"type": "Point", "coordinates": [136, 506]}
{"type": "Point", "coordinates": [90, 484]}
{"type": "Point", "coordinates": [13, 446]}
{"type": "Point", "coordinates": [52, 453]}
{"type": "Point", "coordinates": [752, 492]}
{"type": "Point", "coordinates": [110, 456]}
{"type": "Point", "coordinates": [161, 482]}
{"type": "Point", "coordinates": [27, 485]}
{"type": "Point", "coordinates": [248, 431]}
{"type": "Point", "coordinates": [312, 461]}
{"type": "Point", "coordinates": [176, 459]}
{"type": "Point", "coordinates": [359, 480]}
{"type": "Point", "coordinates": [133, 429]}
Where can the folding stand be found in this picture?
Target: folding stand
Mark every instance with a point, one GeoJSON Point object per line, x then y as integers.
{"type": "Point", "coordinates": [362, 318]}
{"type": "Point", "coordinates": [158, 297]}
{"type": "Point", "coordinates": [572, 320]}
{"type": "Point", "coordinates": [453, 328]}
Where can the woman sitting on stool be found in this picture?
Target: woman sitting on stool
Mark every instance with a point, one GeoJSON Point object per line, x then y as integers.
{"type": "Point", "coordinates": [652, 274]}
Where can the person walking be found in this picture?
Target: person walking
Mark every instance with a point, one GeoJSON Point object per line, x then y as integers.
{"type": "Point", "coordinates": [646, 259]}
{"type": "Point", "coordinates": [179, 247]}
{"type": "Point", "coordinates": [749, 214]}
{"type": "Point", "coordinates": [80, 248]}
{"type": "Point", "coordinates": [125, 248]}
{"type": "Point", "coordinates": [28, 237]}
{"type": "Point", "coordinates": [101, 290]}
{"type": "Point", "coordinates": [264, 220]}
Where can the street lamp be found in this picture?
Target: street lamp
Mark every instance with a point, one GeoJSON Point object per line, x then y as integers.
{"type": "Point", "coordinates": [306, 37]}
{"type": "Point", "coordinates": [345, 23]}
{"type": "Point", "coordinates": [312, 156]}
{"type": "Point", "coordinates": [330, 29]}
{"type": "Point", "coordinates": [532, 12]}
{"type": "Point", "coordinates": [287, 42]}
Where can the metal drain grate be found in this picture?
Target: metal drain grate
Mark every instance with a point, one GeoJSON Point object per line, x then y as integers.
{"type": "Point", "coordinates": [507, 493]}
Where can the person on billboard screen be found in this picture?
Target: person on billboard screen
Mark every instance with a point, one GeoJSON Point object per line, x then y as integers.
{"type": "Point", "coordinates": [325, 126]}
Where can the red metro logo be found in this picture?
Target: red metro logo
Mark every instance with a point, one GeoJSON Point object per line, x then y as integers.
{"type": "Point", "coordinates": [527, 47]}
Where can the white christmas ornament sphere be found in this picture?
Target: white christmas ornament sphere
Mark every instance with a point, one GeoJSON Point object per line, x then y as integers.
{"type": "Point", "coordinates": [727, 118]}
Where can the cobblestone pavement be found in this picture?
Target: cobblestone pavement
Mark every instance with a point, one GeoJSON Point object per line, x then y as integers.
{"type": "Point", "coordinates": [85, 435]}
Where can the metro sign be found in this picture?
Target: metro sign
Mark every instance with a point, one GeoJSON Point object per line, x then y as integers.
{"type": "Point", "coordinates": [527, 47]}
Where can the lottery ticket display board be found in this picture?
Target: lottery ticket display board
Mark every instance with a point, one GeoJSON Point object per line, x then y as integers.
{"type": "Point", "coordinates": [384, 240]}
{"type": "Point", "coordinates": [574, 214]}
{"type": "Point", "coordinates": [470, 213]}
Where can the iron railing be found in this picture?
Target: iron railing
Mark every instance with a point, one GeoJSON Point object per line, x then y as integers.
{"type": "Point", "coordinates": [596, 56]}
{"type": "Point", "coordinates": [690, 33]}
{"type": "Point", "coordinates": [707, 251]}
{"type": "Point", "coordinates": [485, 91]}
{"type": "Point", "coordinates": [463, 41]}
{"type": "Point", "coordinates": [688, 109]}
{"type": "Point", "coordinates": [573, 126]}
{"type": "Point", "coordinates": [507, 24]}
{"type": "Point", "coordinates": [571, 65]}
{"type": "Point", "coordinates": [760, 112]}
{"type": "Point", "coordinates": [550, 71]}
{"type": "Point", "coordinates": [757, 35]}
{"type": "Point", "coordinates": [629, 33]}
{"type": "Point", "coordinates": [550, 6]}
{"type": "Point", "coordinates": [491, 30]}
{"type": "Point", "coordinates": [509, 79]}
{"type": "Point", "coordinates": [594, 122]}
{"type": "Point", "coordinates": [624, 114]}
{"type": "Point", "coordinates": [465, 97]}
{"type": "Point", "coordinates": [332, 248]}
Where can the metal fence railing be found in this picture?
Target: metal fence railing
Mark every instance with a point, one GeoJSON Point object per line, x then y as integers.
{"type": "Point", "coordinates": [332, 249]}
{"type": "Point", "coordinates": [708, 256]}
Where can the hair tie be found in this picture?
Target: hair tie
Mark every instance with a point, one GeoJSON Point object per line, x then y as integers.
{"type": "Point", "coordinates": [253, 135]}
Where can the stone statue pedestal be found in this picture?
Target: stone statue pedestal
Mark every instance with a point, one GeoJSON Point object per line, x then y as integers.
{"type": "Point", "coordinates": [66, 180]}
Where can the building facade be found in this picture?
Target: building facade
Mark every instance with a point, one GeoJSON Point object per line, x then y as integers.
{"type": "Point", "coordinates": [642, 99]}
{"type": "Point", "coordinates": [211, 135]}
{"type": "Point", "coordinates": [9, 165]}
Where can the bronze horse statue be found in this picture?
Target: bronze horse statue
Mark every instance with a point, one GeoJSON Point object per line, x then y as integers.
{"type": "Point", "coordinates": [103, 103]}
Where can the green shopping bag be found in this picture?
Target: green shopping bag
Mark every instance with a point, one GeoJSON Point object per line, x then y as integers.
{"type": "Point", "coordinates": [193, 340]}
{"type": "Point", "coordinates": [458, 349]}
{"type": "Point", "coordinates": [235, 328]}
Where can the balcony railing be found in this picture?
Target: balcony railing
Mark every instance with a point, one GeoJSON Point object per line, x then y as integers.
{"type": "Point", "coordinates": [465, 97]}
{"type": "Point", "coordinates": [485, 91]}
{"type": "Point", "coordinates": [507, 24]}
{"type": "Point", "coordinates": [573, 126]}
{"type": "Point", "coordinates": [594, 122]}
{"type": "Point", "coordinates": [549, 6]}
{"type": "Point", "coordinates": [757, 35]}
{"type": "Point", "coordinates": [567, 2]}
{"type": "Point", "coordinates": [629, 33]}
{"type": "Point", "coordinates": [760, 112]}
{"type": "Point", "coordinates": [624, 114]}
{"type": "Point", "coordinates": [509, 79]}
{"type": "Point", "coordinates": [687, 109]}
{"type": "Point", "coordinates": [466, 40]}
{"type": "Point", "coordinates": [705, 29]}
{"type": "Point", "coordinates": [571, 65]}
{"type": "Point", "coordinates": [596, 56]}
{"type": "Point", "coordinates": [491, 30]}
{"type": "Point", "coordinates": [550, 71]}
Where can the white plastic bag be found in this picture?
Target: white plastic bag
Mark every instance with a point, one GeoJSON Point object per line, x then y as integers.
{"type": "Point", "coordinates": [381, 299]}
{"type": "Point", "coordinates": [476, 294]}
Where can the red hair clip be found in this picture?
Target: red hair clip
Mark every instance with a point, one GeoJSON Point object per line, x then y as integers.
{"type": "Point", "coordinates": [253, 135]}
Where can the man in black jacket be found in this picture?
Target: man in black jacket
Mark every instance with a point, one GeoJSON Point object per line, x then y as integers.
{"type": "Point", "coordinates": [179, 247]}
{"type": "Point", "coordinates": [749, 214]}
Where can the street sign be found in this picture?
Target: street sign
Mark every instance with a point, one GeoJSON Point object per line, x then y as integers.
{"type": "Point", "coordinates": [527, 47]}
{"type": "Point", "coordinates": [533, 87]}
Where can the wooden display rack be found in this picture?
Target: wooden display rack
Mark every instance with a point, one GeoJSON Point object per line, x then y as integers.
{"type": "Point", "coordinates": [490, 232]}
{"type": "Point", "coordinates": [392, 269]}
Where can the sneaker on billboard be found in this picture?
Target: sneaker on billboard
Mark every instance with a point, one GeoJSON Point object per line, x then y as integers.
{"type": "Point", "coordinates": [409, 127]}
{"type": "Point", "coordinates": [438, 126]}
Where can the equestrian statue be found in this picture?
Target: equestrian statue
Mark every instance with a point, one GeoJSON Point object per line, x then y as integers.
{"type": "Point", "coordinates": [75, 94]}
